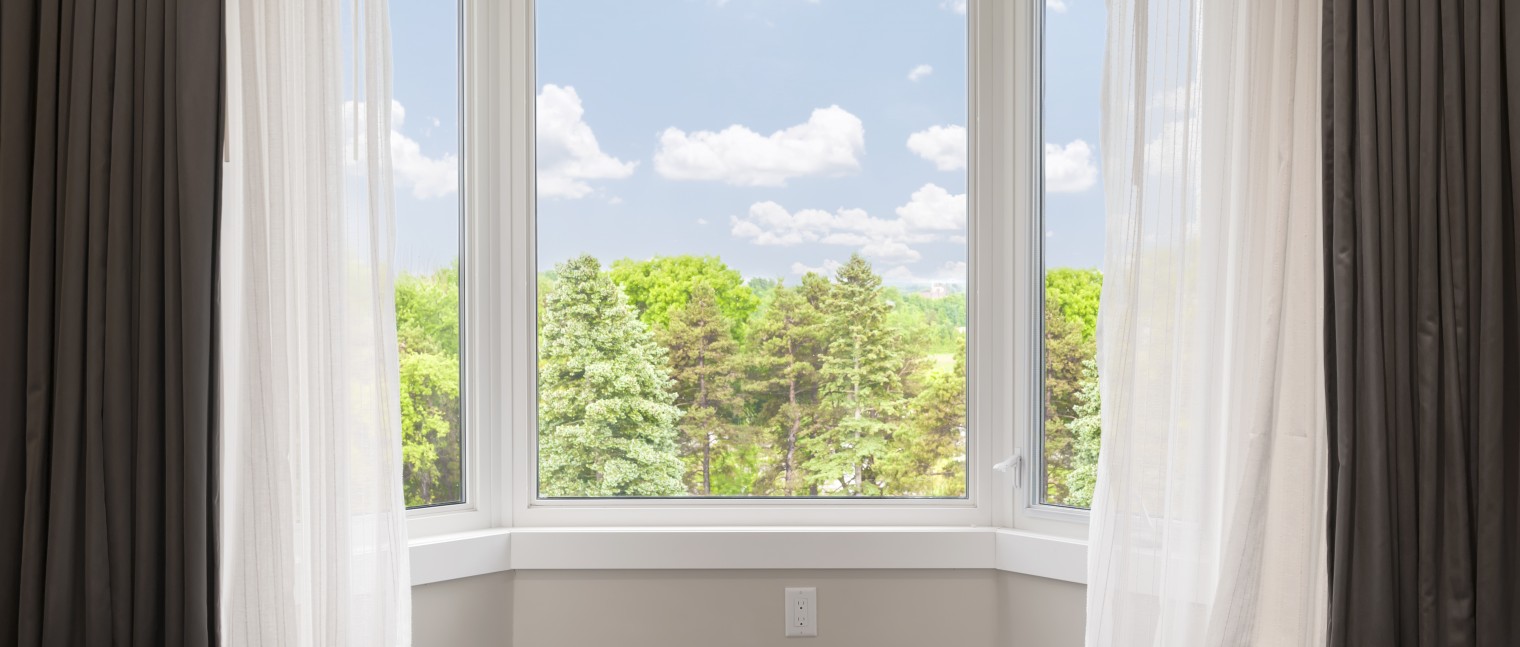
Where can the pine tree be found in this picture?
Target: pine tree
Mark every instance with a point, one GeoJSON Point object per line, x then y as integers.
{"type": "Point", "coordinates": [607, 425]}
{"type": "Point", "coordinates": [930, 446]}
{"type": "Point", "coordinates": [1087, 429]}
{"type": "Point", "coordinates": [861, 383]}
{"type": "Point", "coordinates": [702, 352]}
{"type": "Point", "coordinates": [784, 360]}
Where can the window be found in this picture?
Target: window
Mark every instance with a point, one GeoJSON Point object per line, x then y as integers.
{"type": "Point", "coordinates": [425, 157]}
{"type": "Point", "coordinates": [751, 247]}
{"type": "Point", "coordinates": [646, 312]}
{"type": "Point", "coordinates": [1073, 221]}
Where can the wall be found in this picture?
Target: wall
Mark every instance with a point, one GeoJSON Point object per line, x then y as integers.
{"type": "Point", "coordinates": [463, 613]}
{"type": "Point", "coordinates": [970, 608]}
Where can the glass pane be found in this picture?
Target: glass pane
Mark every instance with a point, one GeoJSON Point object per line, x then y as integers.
{"type": "Point", "coordinates": [425, 155]}
{"type": "Point", "coordinates": [1073, 219]}
{"type": "Point", "coordinates": [735, 298]}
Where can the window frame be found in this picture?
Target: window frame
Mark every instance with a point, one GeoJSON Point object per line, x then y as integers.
{"type": "Point", "coordinates": [1005, 287]}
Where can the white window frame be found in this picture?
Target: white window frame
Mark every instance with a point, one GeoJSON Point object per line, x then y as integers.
{"type": "Point", "coordinates": [498, 89]}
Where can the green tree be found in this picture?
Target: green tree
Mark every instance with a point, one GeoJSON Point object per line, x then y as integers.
{"type": "Point", "coordinates": [427, 335]}
{"type": "Point", "coordinates": [1087, 433]}
{"type": "Point", "coordinates": [607, 425]}
{"type": "Point", "coordinates": [659, 285]}
{"type": "Point", "coordinates": [1073, 293]}
{"type": "Point", "coordinates": [784, 363]}
{"type": "Point", "coordinates": [1071, 311]}
{"type": "Point", "coordinates": [930, 456]}
{"type": "Point", "coordinates": [861, 383]}
{"type": "Point", "coordinates": [702, 354]}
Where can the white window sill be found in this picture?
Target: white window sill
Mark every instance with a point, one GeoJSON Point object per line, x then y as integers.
{"type": "Point", "coordinates": [447, 557]}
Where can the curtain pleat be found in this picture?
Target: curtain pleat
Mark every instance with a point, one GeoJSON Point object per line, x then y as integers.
{"type": "Point", "coordinates": [316, 550]}
{"type": "Point", "coordinates": [1207, 519]}
{"type": "Point", "coordinates": [110, 132]}
{"type": "Point", "coordinates": [1422, 256]}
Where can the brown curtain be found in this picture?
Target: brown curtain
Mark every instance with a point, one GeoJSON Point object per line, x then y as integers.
{"type": "Point", "coordinates": [110, 141]}
{"type": "Point", "coordinates": [1422, 157]}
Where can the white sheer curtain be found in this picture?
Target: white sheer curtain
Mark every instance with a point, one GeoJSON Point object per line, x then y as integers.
{"type": "Point", "coordinates": [1207, 524]}
{"type": "Point", "coordinates": [313, 530]}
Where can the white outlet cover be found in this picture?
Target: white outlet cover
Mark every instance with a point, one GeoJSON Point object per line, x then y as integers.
{"type": "Point", "coordinates": [801, 612]}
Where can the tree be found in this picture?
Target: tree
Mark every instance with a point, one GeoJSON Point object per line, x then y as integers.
{"type": "Point", "coordinates": [861, 384]}
{"type": "Point", "coordinates": [661, 284]}
{"type": "Point", "coordinates": [607, 425]}
{"type": "Point", "coordinates": [930, 456]}
{"type": "Point", "coordinates": [1071, 310]}
{"type": "Point", "coordinates": [1087, 432]}
{"type": "Point", "coordinates": [1065, 352]}
{"type": "Point", "coordinates": [701, 350]}
{"type": "Point", "coordinates": [427, 335]}
{"type": "Point", "coordinates": [784, 361]}
{"type": "Point", "coordinates": [1073, 294]}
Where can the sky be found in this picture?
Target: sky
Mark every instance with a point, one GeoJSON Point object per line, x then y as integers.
{"type": "Point", "coordinates": [780, 135]}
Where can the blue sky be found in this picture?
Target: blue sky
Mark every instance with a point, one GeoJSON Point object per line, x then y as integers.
{"type": "Point", "coordinates": [781, 135]}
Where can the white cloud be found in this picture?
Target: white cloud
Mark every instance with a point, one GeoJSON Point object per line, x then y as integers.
{"type": "Point", "coordinates": [827, 269]}
{"type": "Point", "coordinates": [948, 272]}
{"type": "Point", "coordinates": [568, 154]}
{"type": "Point", "coordinates": [932, 214]}
{"type": "Point", "coordinates": [829, 143]}
{"type": "Point", "coordinates": [919, 72]}
{"type": "Point", "coordinates": [943, 145]}
{"type": "Point", "coordinates": [1069, 168]}
{"type": "Point", "coordinates": [1058, 6]}
{"type": "Point", "coordinates": [426, 177]}
{"type": "Point", "coordinates": [702, 221]}
{"type": "Point", "coordinates": [958, 6]}
{"type": "Point", "coordinates": [932, 208]}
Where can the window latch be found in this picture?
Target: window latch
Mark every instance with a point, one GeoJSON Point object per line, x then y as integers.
{"type": "Point", "coordinates": [1014, 463]}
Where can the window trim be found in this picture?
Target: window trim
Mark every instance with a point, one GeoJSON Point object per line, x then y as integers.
{"type": "Point", "coordinates": [497, 295]}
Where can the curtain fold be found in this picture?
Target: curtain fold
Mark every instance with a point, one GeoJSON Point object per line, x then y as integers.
{"type": "Point", "coordinates": [316, 549]}
{"type": "Point", "coordinates": [110, 132]}
{"type": "Point", "coordinates": [1422, 285]}
{"type": "Point", "coordinates": [1207, 518]}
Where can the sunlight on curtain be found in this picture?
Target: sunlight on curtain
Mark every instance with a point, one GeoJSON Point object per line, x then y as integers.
{"type": "Point", "coordinates": [1207, 525]}
{"type": "Point", "coordinates": [314, 525]}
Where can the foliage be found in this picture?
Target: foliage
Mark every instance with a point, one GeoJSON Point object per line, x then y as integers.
{"type": "Point", "coordinates": [702, 356]}
{"type": "Point", "coordinates": [427, 334]}
{"type": "Point", "coordinates": [607, 422]}
{"type": "Point", "coordinates": [659, 285]}
{"type": "Point", "coordinates": [860, 386]}
{"type": "Point", "coordinates": [783, 366]}
{"type": "Point", "coordinates": [1073, 294]}
{"type": "Point", "coordinates": [1087, 432]}
{"type": "Point", "coordinates": [1071, 309]}
{"type": "Point", "coordinates": [707, 384]}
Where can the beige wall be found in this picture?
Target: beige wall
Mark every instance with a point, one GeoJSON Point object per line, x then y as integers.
{"type": "Point", "coordinates": [1039, 612]}
{"type": "Point", "coordinates": [972, 608]}
{"type": "Point", "coordinates": [463, 613]}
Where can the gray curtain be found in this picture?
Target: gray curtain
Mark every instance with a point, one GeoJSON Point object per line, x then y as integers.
{"type": "Point", "coordinates": [1422, 157]}
{"type": "Point", "coordinates": [110, 141]}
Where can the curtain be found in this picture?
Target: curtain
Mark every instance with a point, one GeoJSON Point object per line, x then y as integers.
{"type": "Point", "coordinates": [316, 549]}
{"type": "Point", "coordinates": [1208, 515]}
{"type": "Point", "coordinates": [1422, 260]}
{"type": "Point", "coordinates": [110, 128]}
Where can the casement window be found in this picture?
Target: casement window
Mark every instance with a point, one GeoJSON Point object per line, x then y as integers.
{"type": "Point", "coordinates": [1072, 244]}
{"type": "Point", "coordinates": [732, 263]}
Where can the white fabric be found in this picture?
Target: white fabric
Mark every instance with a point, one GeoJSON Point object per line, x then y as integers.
{"type": "Point", "coordinates": [1208, 517]}
{"type": "Point", "coordinates": [314, 548]}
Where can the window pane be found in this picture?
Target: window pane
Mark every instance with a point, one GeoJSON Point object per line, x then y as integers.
{"type": "Point", "coordinates": [1073, 219]}
{"type": "Point", "coordinates": [425, 155]}
{"type": "Point", "coordinates": [735, 298]}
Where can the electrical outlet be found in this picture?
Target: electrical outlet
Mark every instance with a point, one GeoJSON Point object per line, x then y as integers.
{"type": "Point", "coordinates": [801, 612]}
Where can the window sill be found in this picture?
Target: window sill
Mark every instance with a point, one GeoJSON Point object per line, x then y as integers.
{"type": "Point", "coordinates": [447, 557]}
